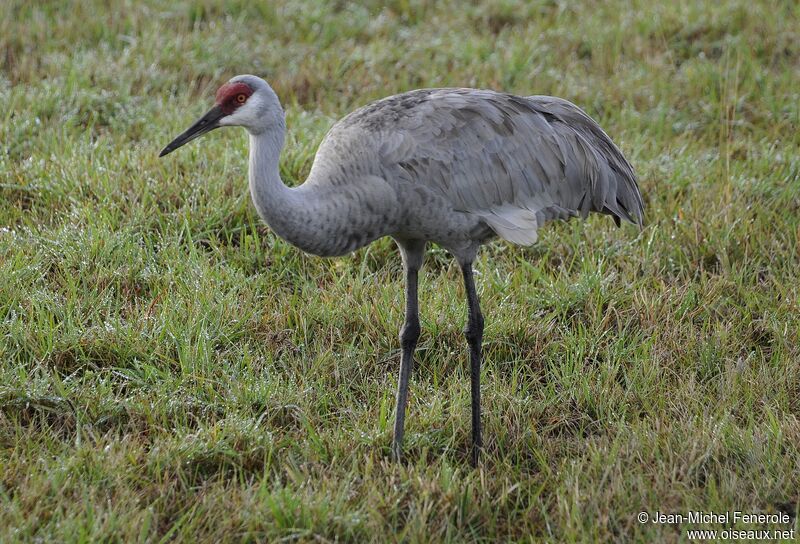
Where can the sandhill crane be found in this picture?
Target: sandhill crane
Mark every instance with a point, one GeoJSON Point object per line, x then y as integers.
{"type": "Point", "coordinates": [456, 167]}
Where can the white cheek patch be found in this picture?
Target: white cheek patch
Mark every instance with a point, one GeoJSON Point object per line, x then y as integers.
{"type": "Point", "coordinates": [246, 115]}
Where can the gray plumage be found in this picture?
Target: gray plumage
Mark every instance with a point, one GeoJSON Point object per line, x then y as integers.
{"type": "Point", "coordinates": [451, 166]}
{"type": "Point", "coordinates": [460, 159]}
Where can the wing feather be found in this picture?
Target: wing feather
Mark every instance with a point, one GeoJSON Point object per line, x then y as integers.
{"type": "Point", "coordinates": [516, 162]}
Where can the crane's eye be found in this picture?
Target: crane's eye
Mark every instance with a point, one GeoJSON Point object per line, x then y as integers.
{"type": "Point", "coordinates": [240, 98]}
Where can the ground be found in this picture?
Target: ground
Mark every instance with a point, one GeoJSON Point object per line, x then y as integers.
{"type": "Point", "coordinates": [171, 370]}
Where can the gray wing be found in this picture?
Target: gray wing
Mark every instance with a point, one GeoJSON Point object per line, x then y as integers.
{"type": "Point", "coordinates": [517, 162]}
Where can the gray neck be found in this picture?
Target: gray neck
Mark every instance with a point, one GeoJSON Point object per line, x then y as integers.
{"type": "Point", "coordinates": [295, 214]}
{"type": "Point", "coordinates": [276, 203]}
{"type": "Point", "coordinates": [316, 217]}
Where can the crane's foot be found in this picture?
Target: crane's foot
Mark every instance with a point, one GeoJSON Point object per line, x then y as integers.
{"type": "Point", "coordinates": [475, 454]}
{"type": "Point", "coordinates": [397, 452]}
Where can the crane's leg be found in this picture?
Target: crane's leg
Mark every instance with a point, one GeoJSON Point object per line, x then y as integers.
{"type": "Point", "coordinates": [474, 333]}
{"type": "Point", "coordinates": [412, 252]}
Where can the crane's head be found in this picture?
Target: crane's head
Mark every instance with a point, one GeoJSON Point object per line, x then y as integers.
{"type": "Point", "coordinates": [246, 101]}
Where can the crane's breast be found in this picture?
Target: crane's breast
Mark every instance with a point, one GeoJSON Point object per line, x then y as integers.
{"type": "Point", "coordinates": [526, 159]}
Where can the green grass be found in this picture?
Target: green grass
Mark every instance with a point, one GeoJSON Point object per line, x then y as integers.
{"type": "Point", "coordinates": [170, 370]}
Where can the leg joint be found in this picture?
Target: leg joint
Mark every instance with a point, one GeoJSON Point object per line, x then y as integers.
{"type": "Point", "coordinates": [474, 329]}
{"type": "Point", "coordinates": [409, 334]}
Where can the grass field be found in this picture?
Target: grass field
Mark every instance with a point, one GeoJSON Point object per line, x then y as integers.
{"type": "Point", "coordinates": [172, 371]}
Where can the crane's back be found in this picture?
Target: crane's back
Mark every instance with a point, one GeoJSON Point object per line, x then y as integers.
{"type": "Point", "coordinates": [509, 162]}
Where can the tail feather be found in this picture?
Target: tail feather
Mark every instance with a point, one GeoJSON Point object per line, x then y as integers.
{"type": "Point", "coordinates": [612, 183]}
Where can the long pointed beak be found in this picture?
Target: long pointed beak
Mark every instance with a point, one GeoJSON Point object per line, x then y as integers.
{"type": "Point", "coordinates": [206, 123]}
